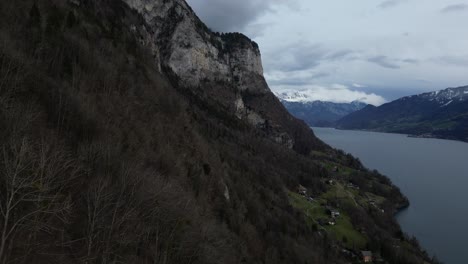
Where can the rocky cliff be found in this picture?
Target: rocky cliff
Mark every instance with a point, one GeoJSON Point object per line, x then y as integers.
{"type": "Point", "coordinates": [196, 54]}
{"type": "Point", "coordinates": [226, 67]}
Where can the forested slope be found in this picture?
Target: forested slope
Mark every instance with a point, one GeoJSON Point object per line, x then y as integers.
{"type": "Point", "coordinates": [108, 156]}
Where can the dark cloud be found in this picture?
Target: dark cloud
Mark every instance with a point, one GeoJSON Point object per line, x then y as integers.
{"type": "Point", "coordinates": [389, 3]}
{"type": "Point", "coordinates": [233, 15]}
{"type": "Point", "coordinates": [411, 61]}
{"type": "Point", "coordinates": [384, 61]}
{"type": "Point", "coordinates": [455, 8]}
{"type": "Point", "coordinates": [342, 54]}
{"type": "Point", "coordinates": [303, 56]}
{"type": "Point", "coordinates": [298, 81]}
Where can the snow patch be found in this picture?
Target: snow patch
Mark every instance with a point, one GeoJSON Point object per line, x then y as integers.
{"type": "Point", "coordinates": [335, 94]}
{"type": "Point", "coordinates": [447, 103]}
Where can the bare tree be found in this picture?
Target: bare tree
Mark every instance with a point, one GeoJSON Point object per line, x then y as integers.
{"type": "Point", "coordinates": [31, 190]}
{"type": "Point", "coordinates": [98, 203]}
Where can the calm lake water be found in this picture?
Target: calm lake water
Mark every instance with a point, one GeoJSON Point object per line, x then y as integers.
{"type": "Point", "coordinates": [432, 173]}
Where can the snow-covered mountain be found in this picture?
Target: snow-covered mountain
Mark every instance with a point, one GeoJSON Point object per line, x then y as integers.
{"type": "Point", "coordinates": [443, 97]}
{"type": "Point", "coordinates": [335, 94]}
{"type": "Point", "coordinates": [441, 114]}
{"type": "Point", "coordinates": [295, 96]}
{"type": "Point", "coordinates": [302, 105]}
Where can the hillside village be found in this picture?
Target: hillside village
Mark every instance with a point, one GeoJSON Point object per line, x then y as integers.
{"type": "Point", "coordinates": [328, 213]}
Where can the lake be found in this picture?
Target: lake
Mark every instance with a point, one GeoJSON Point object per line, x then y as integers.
{"type": "Point", "coordinates": [432, 173]}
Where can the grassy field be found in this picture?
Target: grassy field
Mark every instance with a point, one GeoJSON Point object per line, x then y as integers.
{"type": "Point", "coordinates": [342, 170]}
{"type": "Point", "coordinates": [312, 210]}
{"type": "Point", "coordinates": [343, 230]}
{"type": "Point", "coordinates": [341, 193]}
{"type": "Point", "coordinates": [319, 154]}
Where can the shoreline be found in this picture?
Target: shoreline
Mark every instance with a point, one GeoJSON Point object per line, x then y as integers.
{"type": "Point", "coordinates": [425, 136]}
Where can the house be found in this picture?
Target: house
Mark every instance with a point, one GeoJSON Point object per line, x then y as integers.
{"type": "Point", "coordinates": [335, 169]}
{"type": "Point", "coordinates": [310, 199]}
{"type": "Point", "coordinates": [334, 213]}
{"type": "Point", "coordinates": [302, 190]}
{"type": "Point", "coordinates": [331, 222]}
{"type": "Point", "coordinates": [366, 256]}
{"type": "Point", "coordinates": [352, 186]}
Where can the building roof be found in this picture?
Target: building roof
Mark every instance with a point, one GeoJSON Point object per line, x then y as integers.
{"type": "Point", "coordinates": [366, 253]}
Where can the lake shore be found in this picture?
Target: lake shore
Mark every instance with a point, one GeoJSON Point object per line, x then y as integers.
{"type": "Point", "coordinates": [430, 172]}
{"type": "Point", "coordinates": [427, 136]}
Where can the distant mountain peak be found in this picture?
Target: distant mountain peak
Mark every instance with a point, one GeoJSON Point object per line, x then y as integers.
{"type": "Point", "coordinates": [442, 114]}
{"type": "Point", "coordinates": [321, 113]}
{"type": "Point", "coordinates": [294, 96]}
{"type": "Point", "coordinates": [306, 96]}
{"type": "Point", "coordinates": [443, 97]}
{"type": "Point", "coordinates": [335, 94]}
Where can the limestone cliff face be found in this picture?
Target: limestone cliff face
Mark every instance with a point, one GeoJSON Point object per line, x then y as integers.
{"type": "Point", "coordinates": [182, 43]}
{"type": "Point", "coordinates": [193, 52]}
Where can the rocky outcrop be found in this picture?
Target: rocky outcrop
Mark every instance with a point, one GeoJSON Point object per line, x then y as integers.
{"type": "Point", "coordinates": [193, 52]}
{"type": "Point", "coordinates": [229, 65]}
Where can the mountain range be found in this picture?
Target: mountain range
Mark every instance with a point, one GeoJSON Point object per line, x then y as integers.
{"type": "Point", "coordinates": [317, 113]}
{"type": "Point", "coordinates": [441, 114]}
{"type": "Point", "coordinates": [320, 113]}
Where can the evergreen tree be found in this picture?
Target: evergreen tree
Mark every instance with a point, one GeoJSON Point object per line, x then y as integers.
{"type": "Point", "coordinates": [34, 17]}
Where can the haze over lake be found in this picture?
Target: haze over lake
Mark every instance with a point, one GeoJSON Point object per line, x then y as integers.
{"type": "Point", "coordinates": [432, 173]}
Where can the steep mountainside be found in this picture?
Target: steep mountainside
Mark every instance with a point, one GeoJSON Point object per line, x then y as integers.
{"type": "Point", "coordinates": [321, 114]}
{"type": "Point", "coordinates": [133, 134]}
{"type": "Point", "coordinates": [442, 114]}
{"type": "Point", "coordinates": [224, 67]}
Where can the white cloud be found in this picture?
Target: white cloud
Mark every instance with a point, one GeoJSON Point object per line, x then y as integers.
{"type": "Point", "coordinates": [336, 93]}
{"type": "Point", "coordinates": [357, 85]}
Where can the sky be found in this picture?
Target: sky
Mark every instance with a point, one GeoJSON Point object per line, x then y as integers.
{"type": "Point", "coordinates": [373, 50]}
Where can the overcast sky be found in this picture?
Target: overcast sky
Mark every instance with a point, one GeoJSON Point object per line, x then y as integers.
{"type": "Point", "coordinates": [383, 48]}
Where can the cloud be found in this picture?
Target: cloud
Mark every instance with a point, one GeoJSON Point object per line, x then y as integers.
{"type": "Point", "coordinates": [390, 3]}
{"type": "Point", "coordinates": [336, 93]}
{"type": "Point", "coordinates": [256, 30]}
{"type": "Point", "coordinates": [303, 56]}
{"type": "Point", "coordinates": [338, 55]}
{"type": "Point", "coordinates": [384, 61]}
{"type": "Point", "coordinates": [229, 15]}
{"type": "Point", "coordinates": [357, 85]}
{"type": "Point", "coordinates": [410, 61]}
{"type": "Point", "coordinates": [295, 79]}
{"type": "Point", "coordinates": [461, 61]}
{"type": "Point", "coordinates": [454, 8]}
